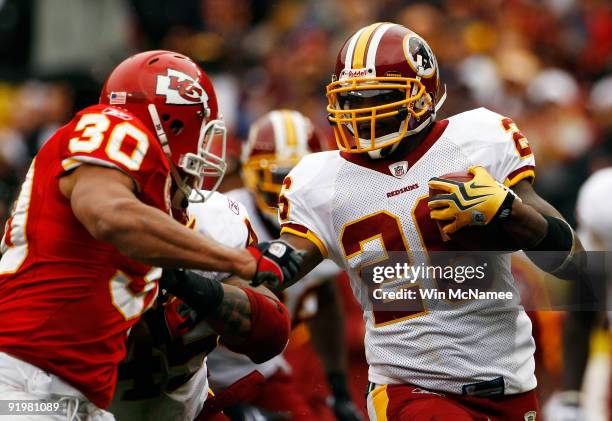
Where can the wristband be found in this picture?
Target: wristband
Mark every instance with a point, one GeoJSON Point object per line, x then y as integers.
{"type": "Point", "coordinates": [203, 294]}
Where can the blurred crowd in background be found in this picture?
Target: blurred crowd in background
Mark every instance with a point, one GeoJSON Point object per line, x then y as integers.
{"type": "Point", "coordinates": [545, 63]}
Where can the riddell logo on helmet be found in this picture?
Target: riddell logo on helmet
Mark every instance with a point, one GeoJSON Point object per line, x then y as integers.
{"type": "Point", "coordinates": [180, 88]}
{"type": "Point", "coordinates": [353, 73]}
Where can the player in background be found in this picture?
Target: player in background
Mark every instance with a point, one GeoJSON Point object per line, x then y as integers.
{"type": "Point", "coordinates": [165, 374]}
{"type": "Point", "coordinates": [276, 143]}
{"type": "Point", "coordinates": [437, 360]}
{"type": "Point", "coordinates": [93, 223]}
{"type": "Point", "coordinates": [595, 232]}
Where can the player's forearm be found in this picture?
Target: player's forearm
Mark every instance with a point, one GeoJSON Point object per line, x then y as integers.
{"type": "Point", "coordinates": [540, 230]}
{"type": "Point", "coordinates": [526, 225]}
{"type": "Point", "coordinates": [150, 236]}
{"type": "Point", "coordinates": [327, 329]}
{"type": "Point", "coordinates": [232, 319]}
{"type": "Point", "coordinates": [248, 321]}
{"type": "Point", "coordinates": [312, 256]}
{"type": "Point", "coordinates": [251, 323]}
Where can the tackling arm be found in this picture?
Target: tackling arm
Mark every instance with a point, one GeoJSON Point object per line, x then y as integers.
{"type": "Point", "coordinates": [103, 200]}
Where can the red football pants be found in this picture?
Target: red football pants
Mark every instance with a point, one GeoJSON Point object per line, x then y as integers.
{"type": "Point", "coordinates": [279, 394]}
{"type": "Point", "coordinates": [409, 403]}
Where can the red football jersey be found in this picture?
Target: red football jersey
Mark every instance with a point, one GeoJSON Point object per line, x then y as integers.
{"type": "Point", "coordinates": [66, 299]}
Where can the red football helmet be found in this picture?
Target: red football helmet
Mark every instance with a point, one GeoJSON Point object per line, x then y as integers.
{"type": "Point", "coordinates": [276, 143]}
{"type": "Point", "coordinates": [173, 96]}
{"type": "Point", "coordinates": [386, 86]}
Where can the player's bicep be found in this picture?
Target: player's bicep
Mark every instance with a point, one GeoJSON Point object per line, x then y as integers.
{"type": "Point", "coordinates": [95, 193]}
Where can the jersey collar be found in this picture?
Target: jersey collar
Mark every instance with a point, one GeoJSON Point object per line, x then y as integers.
{"type": "Point", "coordinates": [382, 165]}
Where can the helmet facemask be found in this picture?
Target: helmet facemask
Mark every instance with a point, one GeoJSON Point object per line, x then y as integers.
{"type": "Point", "coordinates": [369, 114]}
{"type": "Point", "coordinates": [188, 175]}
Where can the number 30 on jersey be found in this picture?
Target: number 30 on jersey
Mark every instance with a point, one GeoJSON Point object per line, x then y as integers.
{"type": "Point", "coordinates": [94, 127]}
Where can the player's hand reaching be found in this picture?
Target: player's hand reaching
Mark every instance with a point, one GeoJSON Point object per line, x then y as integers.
{"type": "Point", "coordinates": [277, 263]}
{"type": "Point", "coordinates": [478, 201]}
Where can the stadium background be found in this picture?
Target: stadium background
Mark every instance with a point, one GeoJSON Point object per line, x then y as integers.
{"type": "Point", "coordinates": [545, 63]}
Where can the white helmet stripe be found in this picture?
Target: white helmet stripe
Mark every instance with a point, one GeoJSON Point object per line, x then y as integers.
{"type": "Point", "coordinates": [374, 42]}
{"type": "Point", "coordinates": [348, 60]}
{"type": "Point", "coordinates": [280, 134]}
{"type": "Point", "coordinates": [301, 133]}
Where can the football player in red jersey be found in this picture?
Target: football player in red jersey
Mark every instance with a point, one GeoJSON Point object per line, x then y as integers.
{"type": "Point", "coordinates": [93, 224]}
{"type": "Point", "coordinates": [468, 360]}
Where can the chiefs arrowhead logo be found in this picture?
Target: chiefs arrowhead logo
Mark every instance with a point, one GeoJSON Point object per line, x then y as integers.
{"type": "Point", "coordinates": [180, 89]}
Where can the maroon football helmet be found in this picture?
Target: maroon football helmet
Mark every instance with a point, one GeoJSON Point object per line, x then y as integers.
{"type": "Point", "coordinates": [385, 87]}
{"type": "Point", "coordinates": [276, 143]}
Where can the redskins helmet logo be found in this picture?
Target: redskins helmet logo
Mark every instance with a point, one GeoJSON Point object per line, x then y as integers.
{"type": "Point", "coordinates": [180, 89]}
{"type": "Point", "coordinates": [419, 56]}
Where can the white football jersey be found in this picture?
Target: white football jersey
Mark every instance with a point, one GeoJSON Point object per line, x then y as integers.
{"type": "Point", "coordinates": [228, 367]}
{"type": "Point", "coordinates": [356, 209]}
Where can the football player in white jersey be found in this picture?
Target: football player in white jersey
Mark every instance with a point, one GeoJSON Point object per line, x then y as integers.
{"type": "Point", "coordinates": [276, 142]}
{"type": "Point", "coordinates": [356, 205]}
{"type": "Point", "coordinates": [165, 376]}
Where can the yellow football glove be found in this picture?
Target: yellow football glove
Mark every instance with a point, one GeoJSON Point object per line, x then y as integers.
{"type": "Point", "coordinates": [476, 202]}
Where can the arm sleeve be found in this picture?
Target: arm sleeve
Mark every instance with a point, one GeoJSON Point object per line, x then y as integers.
{"type": "Point", "coordinates": [501, 147]}
{"type": "Point", "coordinates": [305, 204]}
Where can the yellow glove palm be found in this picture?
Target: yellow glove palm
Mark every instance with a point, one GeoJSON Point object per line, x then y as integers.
{"type": "Point", "coordinates": [475, 202]}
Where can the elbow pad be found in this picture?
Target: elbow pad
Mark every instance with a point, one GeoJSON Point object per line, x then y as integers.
{"type": "Point", "coordinates": [270, 328]}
